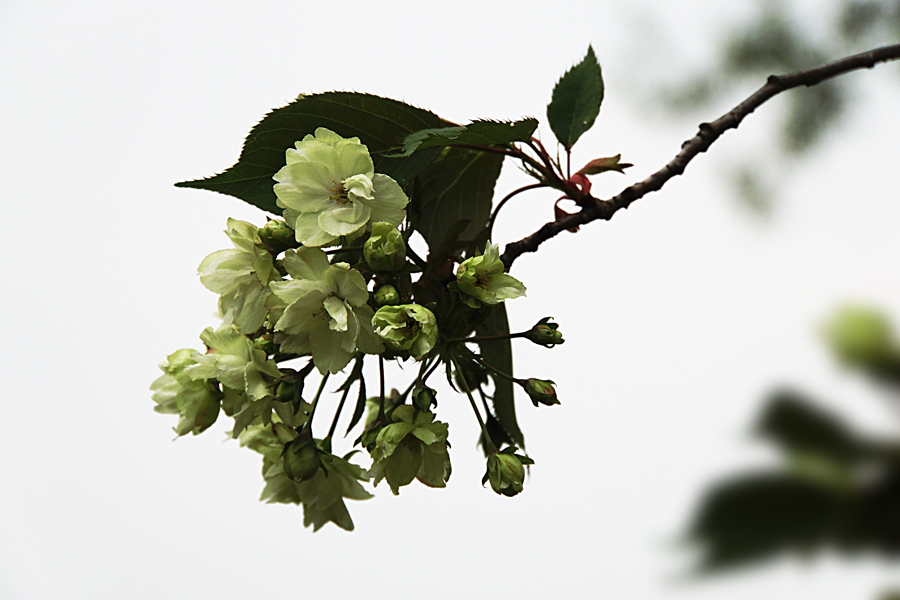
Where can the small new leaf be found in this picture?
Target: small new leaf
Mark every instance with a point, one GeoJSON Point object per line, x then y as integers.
{"type": "Point", "coordinates": [576, 100]}
{"type": "Point", "coordinates": [601, 165]}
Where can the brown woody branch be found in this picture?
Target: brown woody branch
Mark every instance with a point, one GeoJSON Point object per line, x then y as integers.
{"type": "Point", "coordinates": [593, 209]}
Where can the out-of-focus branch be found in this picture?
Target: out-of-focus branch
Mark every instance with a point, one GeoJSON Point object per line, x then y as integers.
{"type": "Point", "coordinates": [594, 209]}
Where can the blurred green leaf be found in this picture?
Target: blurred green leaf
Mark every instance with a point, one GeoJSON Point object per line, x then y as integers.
{"type": "Point", "coordinates": [797, 425]}
{"type": "Point", "coordinates": [576, 100]}
{"type": "Point", "coordinates": [759, 516]}
{"type": "Point", "coordinates": [380, 123]}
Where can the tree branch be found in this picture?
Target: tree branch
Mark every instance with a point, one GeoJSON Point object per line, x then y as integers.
{"type": "Point", "coordinates": [594, 209]}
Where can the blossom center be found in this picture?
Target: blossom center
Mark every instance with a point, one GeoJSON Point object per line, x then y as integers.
{"type": "Point", "coordinates": [339, 194]}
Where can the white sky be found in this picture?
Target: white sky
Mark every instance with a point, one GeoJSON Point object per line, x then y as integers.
{"type": "Point", "coordinates": [679, 313]}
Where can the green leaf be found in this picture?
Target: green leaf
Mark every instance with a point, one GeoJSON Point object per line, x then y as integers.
{"type": "Point", "coordinates": [403, 465]}
{"type": "Point", "coordinates": [764, 515]}
{"type": "Point", "coordinates": [576, 100]}
{"type": "Point", "coordinates": [797, 425]}
{"type": "Point", "coordinates": [477, 133]}
{"type": "Point", "coordinates": [498, 353]}
{"type": "Point", "coordinates": [459, 186]}
{"type": "Point", "coordinates": [602, 165]}
{"type": "Point", "coordinates": [380, 123]}
{"type": "Point", "coordinates": [360, 405]}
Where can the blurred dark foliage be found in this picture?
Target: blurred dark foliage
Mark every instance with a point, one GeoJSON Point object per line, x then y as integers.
{"type": "Point", "coordinates": [838, 489]}
{"type": "Point", "coordinates": [778, 41]}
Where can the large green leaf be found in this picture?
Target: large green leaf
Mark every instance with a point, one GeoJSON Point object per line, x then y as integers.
{"type": "Point", "coordinates": [799, 426]}
{"type": "Point", "coordinates": [477, 133]}
{"type": "Point", "coordinates": [380, 123]}
{"type": "Point", "coordinates": [498, 353]}
{"type": "Point", "coordinates": [764, 515]}
{"type": "Point", "coordinates": [576, 100]}
{"type": "Point", "coordinates": [459, 186]}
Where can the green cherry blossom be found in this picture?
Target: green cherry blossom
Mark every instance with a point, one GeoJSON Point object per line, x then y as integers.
{"type": "Point", "coordinates": [481, 280]}
{"type": "Point", "coordinates": [195, 401]}
{"type": "Point", "coordinates": [407, 328]}
{"type": "Point", "coordinates": [241, 277]}
{"type": "Point", "coordinates": [414, 446]}
{"type": "Point", "coordinates": [235, 361]}
{"type": "Point", "coordinates": [323, 311]}
{"type": "Point", "coordinates": [329, 190]}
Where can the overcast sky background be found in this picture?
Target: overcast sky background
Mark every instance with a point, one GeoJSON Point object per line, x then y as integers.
{"type": "Point", "coordinates": [679, 314]}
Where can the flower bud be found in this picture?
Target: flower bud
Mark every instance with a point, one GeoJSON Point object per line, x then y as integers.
{"type": "Point", "coordinates": [407, 328]}
{"type": "Point", "coordinates": [541, 391]}
{"type": "Point", "coordinates": [284, 391]}
{"type": "Point", "coordinates": [423, 398]}
{"type": "Point", "coordinates": [387, 295]}
{"type": "Point", "coordinates": [301, 458]}
{"type": "Point", "coordinates": [277, 236]}
{"type": "Point", "coordinates": [545, 333]}
{"type": "Point", "coordinates": [506, 472]}
{"type": "Point", "coordinates": [385, 250]}
{"type": "Point", "coordinates": [265, 343]}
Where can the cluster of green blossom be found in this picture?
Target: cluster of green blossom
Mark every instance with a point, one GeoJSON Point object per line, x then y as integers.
{"type": "Point", "coordinates": [283, 299]}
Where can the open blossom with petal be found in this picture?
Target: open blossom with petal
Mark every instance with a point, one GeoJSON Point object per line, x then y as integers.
{"type": "Point", "coordinates": [195, 400]}
{"type": "Point", "coordinates": [235, 362]}
{"type": "Point", "coordinates": [407, 328]}
{"type": "Point", "coordinates": [481, 280]}
{"type": "Point", "coordinates": [241, 276]}
{"type": "Point", "coordinates": [323, 311]}
{"type": "Point", "coordinates": [329, 190]}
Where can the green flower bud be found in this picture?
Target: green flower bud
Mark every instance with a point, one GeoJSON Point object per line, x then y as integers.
{"type": "Point", "coordinates": [387, 295]}
{"type": "Point", "coordinates": [277, 236]}
{"type": "Point", "coordinates": [301, 458]}
{"type": "Point", "coordinates": [545, 333]}
{"type": "Point", "coordinates": [407, 328]}
{"type": "Point", "coordinates": [506, 471]}
{"type": "Point", "coordinates": [385, 250]}
{"type": "Point", "coordinates": [423, 398]}
{"type": "Point", "coordinates": [265, 343]}
{"type": "Point", "coordinates": [541, 391]}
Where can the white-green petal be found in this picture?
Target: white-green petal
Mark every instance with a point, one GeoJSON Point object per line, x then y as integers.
{"type": "Point", "coordinates": [243, 235]}
{"type": "Point", "coordinates": [390, 201]}
{"type": "Point", "coordinates": [305, 263]}
{"type": "Point", "coordinates": [353, 158]}
{"type": "Point", "coordinates": [344, 219]}
{"type": "Point", "coordinates": [347, 283]}
{"type": "Point", "coordinates": [309, 233]}
{"type": "Point", "coordinates": [303, 314]}
{"type": "Point", "coordinates": [338, 311]}
{"type": "Point", "coordinates": [359, 187]}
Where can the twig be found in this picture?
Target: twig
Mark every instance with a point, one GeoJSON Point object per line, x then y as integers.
{"type": "Point", "coordinates": [594, 209]}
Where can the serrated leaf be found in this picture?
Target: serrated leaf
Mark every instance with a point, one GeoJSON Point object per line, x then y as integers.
{"type": "Point", "coordinates": [380, 123]}
{"type": "Point", "coordinates": [477, 133]}
{"type": "Point", "coordinates": [576, 100]}
{"type": "Point", "coordinates": [459, 186]}
{"type": "Point", "coordinates": [498, 353]}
